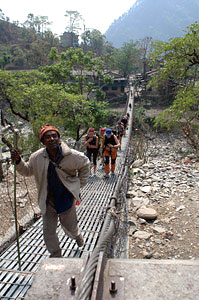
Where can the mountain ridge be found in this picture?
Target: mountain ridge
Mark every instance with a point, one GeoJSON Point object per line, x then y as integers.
{"type": "Point", "coordinates": [159, 19]}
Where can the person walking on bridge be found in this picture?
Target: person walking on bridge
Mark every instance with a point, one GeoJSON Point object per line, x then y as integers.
{"type": "Point", "coordinates": [91, 143]}
{"type": "Point", "coordinates": [101, 150]}
{"type": "Point", "coordinates": [120, 132]}
{"type": "Point", "coordinates": [124, 120]}
{"type": "Point", "coordinates": [59, 173]}
{"type": "Point", "coordinates": [110, 145]}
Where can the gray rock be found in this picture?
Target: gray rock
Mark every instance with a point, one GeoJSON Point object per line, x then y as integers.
{"type": "Point", "coordinates": [156, 255]}
{"type": "Point", "coordinates": [147, 213]}
{"type": "Point", "coordinates": [181, 207]}
{"type": "Point", "coordinates": [142, 235]}
{"type": "Point", "coordinates": [132, 230]}
{"type": "Point", "coordinates": [142, 221]}
{"type": "Point", "coordinates": [137, 163]}
{"type": "Point", "coordinates": [130, 194]}
{"type": "Point", "coordinates": [146, 189]}
{"type": "Point", "coordinates": [136, 171]}
{"type": "Point", "coordinates": [158, 241]}
{"type": "Point", "coordinates": [159, 229]}
{"type": "Point", "coordinates": [139, 201]}
{"type": "Point", "coordinates": [171, 203]}
{"type": "Point", "coordinates": [132, 221]}
{"type": "Point", "coordinates": [147, 254]}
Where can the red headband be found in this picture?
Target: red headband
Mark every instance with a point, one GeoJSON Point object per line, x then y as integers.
{"type": "Point", "coordinates": [91, 129]}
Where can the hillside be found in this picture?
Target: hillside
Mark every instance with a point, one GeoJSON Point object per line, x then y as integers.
{"type": "Point", "coordinates": [25, 48]}
{"type": "Point", "coordinates": [159, 19]}
{"type": "Point", "coordinates": [8, 32]}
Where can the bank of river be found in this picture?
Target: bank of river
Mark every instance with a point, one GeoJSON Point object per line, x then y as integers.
{"type": "Point", "coordinates": [168, 182]}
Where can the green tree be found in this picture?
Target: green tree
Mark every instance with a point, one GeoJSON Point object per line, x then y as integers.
{"type": "Point", "coordinates": [43, 24]}
{"type": "Point", "coordinates": [145, 45]}
{"type": "Point", "coordinates": [73, 25]}
{"type": "Point", "coordinates": [51, 39]}
{"type": "Point", "coordinates": [38, 53]}
{"type": "Point", "coordinates": [19, 58]}
{"type": "Point", "coordinates": [93, 41]}
{"type": "Point", "coordinates": [5, 59]}
{"type": "Point", "coordinates": [74, 18]}
{"type": "Point", "coordinates": [37, 23]}
{"type": "Point", "coordinates": [2, 15]}
{"type": "Point", "coordinates": [127, 58]}
{"type": "Point", "coordinates": [30, 22]}
{"type": "Point", "coordinates": [32, 98]}
{"type": "Point", "coordinates": [178, 60]}
{"type": "Point", "coordinates": [53, 55]}
{"type": "Point", "coordinates": [69, 39]}
{"type": "Point", "coordinates": [79, 73]}
{"type": "Point", "coordinates": [26, 37]}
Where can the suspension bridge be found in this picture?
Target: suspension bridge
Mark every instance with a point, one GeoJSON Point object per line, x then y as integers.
{"type": "Point", "coordinates": [99, 270]}
{"type": "Point", "coordinates": [92, 213]}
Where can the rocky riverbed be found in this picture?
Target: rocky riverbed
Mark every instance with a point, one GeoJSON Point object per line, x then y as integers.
{"type": "Point", "coordinates": [164, 200]}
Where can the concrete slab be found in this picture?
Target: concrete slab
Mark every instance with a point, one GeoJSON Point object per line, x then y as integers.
{"type": "Point", "coordinates": [135, 279]}
{"type": "Point", "coordinates": [52, 280]}
{"type": "Point", "coordinates": [152, 279]}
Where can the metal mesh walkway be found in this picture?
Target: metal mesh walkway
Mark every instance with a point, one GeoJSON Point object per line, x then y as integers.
{"type": "Point", "coordinates": [91, 213]}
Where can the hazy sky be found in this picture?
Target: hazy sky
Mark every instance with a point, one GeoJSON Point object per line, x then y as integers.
{"type": "Point", "coordinates": [97, 14]}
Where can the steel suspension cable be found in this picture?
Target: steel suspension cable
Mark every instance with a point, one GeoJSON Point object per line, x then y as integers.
{"type": "Point", "coordinates": [15, 207]}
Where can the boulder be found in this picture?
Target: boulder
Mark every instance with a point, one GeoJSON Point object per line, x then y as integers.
{"type": "Point", "coordinates": [147, 213]}
{"type": "Point", "coordinates": [146, 189]}
{"type": "Point", "coordinates": [142, 235]}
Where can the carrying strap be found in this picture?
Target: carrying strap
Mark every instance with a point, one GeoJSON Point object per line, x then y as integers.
{"type": "Point", "coordinates": [59, 167]}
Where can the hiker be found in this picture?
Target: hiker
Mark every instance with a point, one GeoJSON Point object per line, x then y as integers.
{"type": "Point", "coordinates": [110, 145]}
{"type": "Point", "coordinates": [124, 120]}
{"type": "Point", "coordinates": [91, 143]}
{"type": "Point", "coordinates": [101, 136]}
{"type": "Point", "coordinates": [130, 106]}
{"type": "Point", "coordinates": [59, 173]}
{"type": "Point", "coordinates": [114, 130]}
{"type": "Point", "coordinates": [120, 132]}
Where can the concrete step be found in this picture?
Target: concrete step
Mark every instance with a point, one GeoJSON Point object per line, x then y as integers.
{"type": "Point", "coordinates": [122, 279]}
{"type": "Point", "coordinates": [153, 279]}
